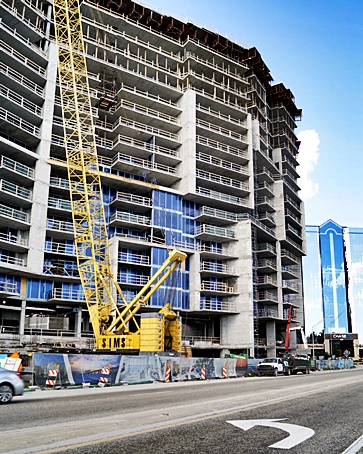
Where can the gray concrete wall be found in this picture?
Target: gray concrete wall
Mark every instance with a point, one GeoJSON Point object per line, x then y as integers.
{"type": "Point", "coordinates": [42, 172]}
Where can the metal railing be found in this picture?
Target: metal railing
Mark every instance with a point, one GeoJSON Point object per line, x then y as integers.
{"type": "Point", "coordinates": [17, 167]}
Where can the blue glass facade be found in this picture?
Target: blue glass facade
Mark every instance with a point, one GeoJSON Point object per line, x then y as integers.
{"type": "Point", "coordinates": [333, 279]}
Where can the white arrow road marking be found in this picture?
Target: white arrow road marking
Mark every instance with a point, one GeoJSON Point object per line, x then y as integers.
{"type": "Point", "coordinates": [298, 434]}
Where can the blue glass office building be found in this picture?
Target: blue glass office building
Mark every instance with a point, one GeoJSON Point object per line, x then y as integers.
{"type": "Point", "coordinates": [333, 286]}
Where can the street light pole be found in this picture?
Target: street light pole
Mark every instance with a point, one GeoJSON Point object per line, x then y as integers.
{"type": "Point", "coordinates": [329, 316]}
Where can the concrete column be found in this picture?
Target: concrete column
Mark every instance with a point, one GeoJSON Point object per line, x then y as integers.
{"type": "Point", "coordinates": [37, 231]}
{"type": "Point", "coordinates": [78, 324]}
{"type": "Point", "coordinates": [194, 281]}
{"type": "Point", "coordinates": [237, 329]}
{"type": "Point", "coordinates": [187, 168]}
{"type": "Point", "coordinates": [22, 318]}
{"type": "Point", "coordinates": [271, 338]}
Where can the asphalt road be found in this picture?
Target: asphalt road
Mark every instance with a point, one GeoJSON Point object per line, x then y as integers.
{"type": "Point", "coordinates": [193, 417]}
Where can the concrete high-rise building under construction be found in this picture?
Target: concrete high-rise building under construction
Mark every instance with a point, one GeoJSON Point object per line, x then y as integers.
{"type": "Point", "coordinates": [197, 151]}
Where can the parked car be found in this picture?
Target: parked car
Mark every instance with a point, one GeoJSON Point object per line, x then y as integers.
{"type": "Point", "coordinates": [273, 366]}
{"type": "Point", "coordinates": [11, 384]}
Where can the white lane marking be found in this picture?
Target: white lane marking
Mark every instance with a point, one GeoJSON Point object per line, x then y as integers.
{"type": "Point", "coordinates": [298, 434]}
{"type": "Point", "coordinates": [355, 447]}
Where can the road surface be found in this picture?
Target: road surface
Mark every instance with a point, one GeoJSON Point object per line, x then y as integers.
{"type": "Point", "coordinates": [317, 413]}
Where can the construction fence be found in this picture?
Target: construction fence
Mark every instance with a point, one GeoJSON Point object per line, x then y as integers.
{"type": "Point", "coordinates": [77, 369]}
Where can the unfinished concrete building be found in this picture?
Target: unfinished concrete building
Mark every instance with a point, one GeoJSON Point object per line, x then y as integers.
{"type": "Point", "coordinates": [197, 151]}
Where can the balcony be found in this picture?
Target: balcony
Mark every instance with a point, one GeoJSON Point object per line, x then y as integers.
{"type": "Point", "coordinates": [61, 227]}
{"type": "Point", "coordinates": [214, 252]}
{"type": "Point", "coordinates": [8, 288]}
{"type": "Point", "coordinates": [20, 102]}
{"type": "Point", "coordinates": [221, 164]}
{"type": "Point", "coordinates": [28, 132]}
{"type": "Point", "coordinates": [127, 124]}
{"type": "Point", "coordinates": [14, 218]}
{"type": "Point", "coordinates": [288, 258]}
{"type": "Point", "coordinates": [263, 174]}
{"type": "Point", "coordinates": [290, 287]}
{"type": "Point", "coordinates": [214, 268]}
{"type": "Point", "coordinates": [61, 268]}
{"type": "Point", "coordinates": [229, 184]}
{"type": "Point", "coordinates": [21, 80]}
{"type": "Point", "coordinates": [267, 297]}
{"type": "Point", "coordinates": [266, 265]}
{"type": "Point", "coordinates": [265, 203]}
{"type": "Point", "coordinates": [220, 146]}
{"type": "Point", "coordinates": [126, 218]}
{"type": "Point", "coordinates": [132, 201]}
{"type": "Point", "coordinates": [134, 259]}
{"type": "Point", "coordinates": [59, 204]}
{"type": "Point", "coordinates": [291, 272]}
{"type": "Point", "coordinates": [215, 287]}
{"type": "Point", "coordinates": [218, 216]}
{"type": "Point", "coordinates": [164, 175]}
{"type": "Point", "coordinates": [145, 149]}
{"type": "Point", "coordinates": [218, 306]}
{"type": "Point", "coordinates": [266, 249]}
{"type": "Point", "coordinates": [60, 248]}
{"type": "Point", "coordinates": [9, 260]}
{"type": "Point", "coordinates": [24, 64]}
{"type": "Point", "coordinates": [133, 279]}
{"type": "Point", "coordinates": [267, 313]}
{"type": "Point", "coordinates": [13, 242]}
{"type": "Point", "coordinates": [15, 194]}
{"type": "Point", "coordinates": [66, 295]}
{"type": "Point", "coordinates": [212, 197]}
{"type": "Point", "coordinates": [227, 133]}
{"type": "Point", "coordinates": [8, 164]}
{"type": "Point", "coordinates": [212, 233]}
{"type": "Point", "coordinates": [266, 281]}
{"type": "Point", "coordinates": [143, 110]}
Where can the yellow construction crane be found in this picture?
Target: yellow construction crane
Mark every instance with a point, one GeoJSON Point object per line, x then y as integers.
{"type": "Point", "coordinates": [109, 311]}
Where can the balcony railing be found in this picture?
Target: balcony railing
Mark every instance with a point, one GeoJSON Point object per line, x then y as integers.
{"type": "Point", "coordinates": [264, 313]}
{"type": "Point", "coordinates": [215, 213]}
{"type": "Point", "coordinates": [60, 204]}
{"type": "Point", "coordinates": [223, 164]}
{"type": "Point", "coordinates": [223, 306]}
{"type": "Point", "coordinates": [22, 80]}
{"type": "Point", "coordinates": [15, 190]}
{"type": "Point", "coordinates": [132, 198]}
{"type": "Point", "coordinates": [130, 218]}
{"type": "Point", "coordinates": [9, 287]}
{"type": "Point", "coordinates": [230, 182]}
{"type": "Point", "coordinates": [213, 267]}
{"type": "Point", "coordinates": [133, 279]}
{"type": "Point", "coordinates": [59, 248]}
{"type": "Point", "coordinates": [66, 294]}
{"type": "Point", "coordinates": [60, 226]}
{"type": "Point", "coordinates": [137, 259]}
{"type": "Point", "coordinates": [221, 196]}
{"type": "Point", "coordinates": [17, 167]}
{"type": "Point", "coordinates": [216, 287]}
{"type": "Point", "coordinates": [60, 269]}
{"type": "Point", "coordinates": [142, 163]}
{"type": "Point", "coordinates": [213, 230]}
{"type": "Point", "coordinates": [12, 213]}
{"type": "Point", "coordinates": [13, 239]}
{"type": "Point", "coordinates": [12, 260]}
{"type": "Point", "coordinates": [24, 60]}
{"type": "Point", "coordinates": [20, 101]}
{"type": "Point", "coordinates": [223, 131]}
{"type": "Point", "coordinates": [19, 122]}
{"type": "Point", "coordinates": [221, 146]}
{"type": "Point", "coordinates": [266, 280]}
{"type": "Point", "coordinates": [140, 144]}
